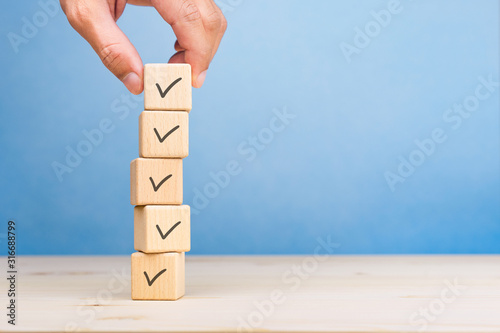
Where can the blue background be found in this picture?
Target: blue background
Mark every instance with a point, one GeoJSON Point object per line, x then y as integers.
{"type": "Point", "coordinates": [321, 176]}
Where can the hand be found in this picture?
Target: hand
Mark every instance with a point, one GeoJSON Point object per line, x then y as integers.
{"type": "Point", "coordinates": [198, 25]}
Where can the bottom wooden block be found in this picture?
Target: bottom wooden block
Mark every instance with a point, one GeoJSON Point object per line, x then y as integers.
{"type": "Point", "coordinates": [158, 276]}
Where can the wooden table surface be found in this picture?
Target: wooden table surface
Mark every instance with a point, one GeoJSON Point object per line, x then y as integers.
{"type": "Point", "coordinates": [264, 294]}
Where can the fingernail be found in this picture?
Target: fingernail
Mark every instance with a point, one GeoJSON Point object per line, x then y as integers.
{"type": "Point", "coordinates": [200, 79]}
{"type": "Point", "coordinates": [133, 83]}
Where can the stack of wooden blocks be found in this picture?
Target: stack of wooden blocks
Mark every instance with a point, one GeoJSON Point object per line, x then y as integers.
{"type": "Point", "coordinates": [161, 222]}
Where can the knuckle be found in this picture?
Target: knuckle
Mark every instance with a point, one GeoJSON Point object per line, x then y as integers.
{"type": "Point", "coordinates": [223, 24]}
{"type": "Point", "coordinates": [77, 12]}
{"type": "Point", "coordinates": [111, 57]}
{"type": "Point", "coordinates": [213, 21]}
{"type": "Point", "coordinates": [189, 12]}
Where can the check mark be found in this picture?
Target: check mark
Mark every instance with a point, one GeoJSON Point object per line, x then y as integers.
{"type": "Point", "coordinates": [157, 187]}
{"type": "Point", "coordinates": [166, 135]}
{"type": "Point", "coordinates": [164, 93]}
{"type": "Point", "coordinates": [150, 282]}
{"type": "Point", "coordinates": [169, 230]}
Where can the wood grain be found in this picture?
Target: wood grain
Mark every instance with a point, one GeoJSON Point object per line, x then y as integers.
{"type": "Point", "coordinates": [178, 98]}
{"type": "Point", "coordinates": [153, 222]}
{"type": "Point", "coordinates": [158, 276]}
{"type": "Point", "coordinates": [156, 181]}
{"type": "Point", "coordinates": [339, 294]}
{"type": "Point", "coordinates": [163, 134]}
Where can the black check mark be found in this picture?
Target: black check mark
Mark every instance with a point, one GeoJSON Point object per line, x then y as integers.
{"type": "Point", "coordinates": [169, 230]}
{"type": "Point", "coordinates": [157, 187]}
{"type": "Point", "coordinates": [166, 135]}
{"type": "Point", "coordinates": [164, 93]}
{"type": "Point", "coordinates": [150, 282]}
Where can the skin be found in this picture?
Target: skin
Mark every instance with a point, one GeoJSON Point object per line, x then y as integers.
{"type": "Point", "coordinates": [198, 25]}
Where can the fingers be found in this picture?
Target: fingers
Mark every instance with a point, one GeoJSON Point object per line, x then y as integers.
{"type": "Point", "coordinates": [94, 21]}
{"type": "Point", "coordinates": [119, 7]}
{"type": "Point", "coordinates": [199, 26]}
{"type": "Point", "coordinates": [185, 18]}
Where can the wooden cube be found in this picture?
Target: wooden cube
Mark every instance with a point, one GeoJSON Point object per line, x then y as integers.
{"type": "Point", "coordinates": [156, 181]}
{"type": "Point", "coordinates": [163, 134]}
{"type": "Point", "coordinates": [161, 228]}
{"type": "Point", "coordinates": [158, 276]}
{"type": "Point", "coordinates": [167, 87]}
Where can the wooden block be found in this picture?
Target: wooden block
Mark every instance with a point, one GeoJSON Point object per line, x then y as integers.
{"type": "Point", "coordinates": [163, 134]}
{"type": "Point", "coordinates": [158, 276]}
{"type": "Point", "coordinates": [156, 181]}
{"type": "Point", "coordinates": [162, 229]}
{"type": "Point", "coordinates": [167, 87]}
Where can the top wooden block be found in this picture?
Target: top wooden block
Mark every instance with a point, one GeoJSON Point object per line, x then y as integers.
{"type": "Point", "coordinates": [167, 87]}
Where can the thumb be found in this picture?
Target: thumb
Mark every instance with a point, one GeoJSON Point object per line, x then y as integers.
{"type": "Point", "coordinates": [116, 51]}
